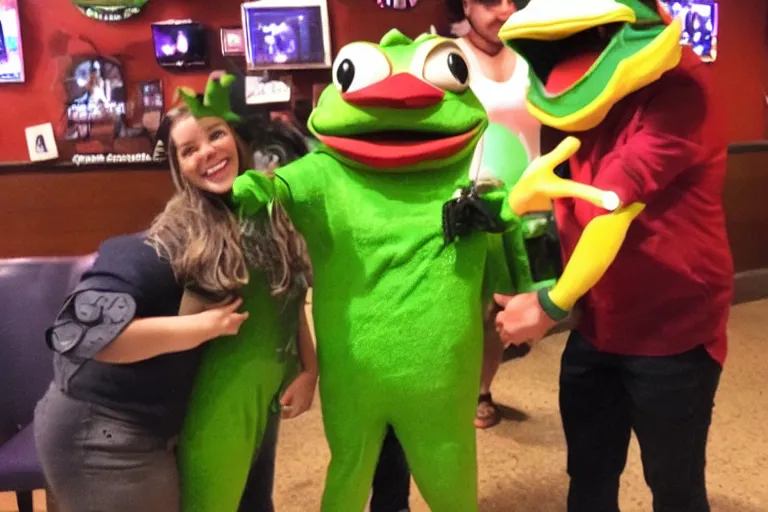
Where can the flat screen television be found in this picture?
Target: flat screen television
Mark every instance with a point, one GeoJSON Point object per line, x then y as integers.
{"type": "Point", "coordinates": [286, 34]}
{"type": "Point", "coordinates": [11, 55]}
{"type": "Point", "coordinates": [180, 44]}
{"type": "Point", "coordinates": [700, 25]}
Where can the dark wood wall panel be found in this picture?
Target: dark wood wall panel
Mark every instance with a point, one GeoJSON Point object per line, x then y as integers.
{"type": "Point", "coordinates": [746, 207]}
{"type": "Point", "coordinates": [57, 214]}
{"type": "Point", "coordinates": [45, 214]}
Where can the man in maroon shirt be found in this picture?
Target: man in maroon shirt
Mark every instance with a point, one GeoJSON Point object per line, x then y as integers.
{"type": "Point", "coordinates": [645, 247]}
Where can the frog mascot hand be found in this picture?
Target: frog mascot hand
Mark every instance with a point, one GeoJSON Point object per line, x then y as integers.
{"type": "Point", "coordinates": [397, 310]}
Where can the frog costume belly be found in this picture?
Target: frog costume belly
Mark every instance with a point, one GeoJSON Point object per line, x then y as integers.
{"type": "Point", "coordinates": [238, 383]}
{"type": "Point", "coordinates": [397, 309]}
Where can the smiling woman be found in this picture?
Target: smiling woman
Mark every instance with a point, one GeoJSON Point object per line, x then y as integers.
{"type": "Point", "coordinates": [197, 148]}
{"type": "Point", "coordinates": [141, 367]}
{"type": "Point", "coordinates": [208, 154]}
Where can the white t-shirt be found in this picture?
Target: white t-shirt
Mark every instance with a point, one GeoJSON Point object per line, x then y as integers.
{"type": "Point", "coordinates": [505, 101]}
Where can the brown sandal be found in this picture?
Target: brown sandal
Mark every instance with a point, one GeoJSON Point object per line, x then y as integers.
{"type": "Point", "coordinates": [488, 413]}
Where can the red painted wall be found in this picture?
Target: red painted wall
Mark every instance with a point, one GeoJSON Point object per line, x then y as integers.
{"type": "Point", "coordinates": [741, 70]}
{"type": "Point", "coordinates": [52, 29]}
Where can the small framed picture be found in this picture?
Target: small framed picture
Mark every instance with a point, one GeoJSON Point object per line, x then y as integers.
{"type": "Point", "coordinates": [232, 41]}
{"type": "Point", "coordinates": [41, 143]}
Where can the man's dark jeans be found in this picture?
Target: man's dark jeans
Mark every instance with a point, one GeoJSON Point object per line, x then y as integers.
{"type": "Point", "coordinates": [392, 481]}
{"type": "Point", "coordinates": [666, 401]}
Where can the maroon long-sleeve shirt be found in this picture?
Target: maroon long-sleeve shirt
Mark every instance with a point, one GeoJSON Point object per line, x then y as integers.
{"type": "Point", "coordinates": [670, 287]}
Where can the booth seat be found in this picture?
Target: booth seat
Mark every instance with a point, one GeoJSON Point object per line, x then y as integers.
{"type": "Point", "coordinates": [32, 290]}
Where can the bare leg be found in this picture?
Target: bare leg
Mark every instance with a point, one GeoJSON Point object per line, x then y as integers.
{"type": "Point", "coordinates": [492, 353]}
{"type": "Point", "coordinates": [488, 414]}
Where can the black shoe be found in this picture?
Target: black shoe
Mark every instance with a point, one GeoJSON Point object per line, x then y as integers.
{"type": "Point", "coordinates": [516, 352]}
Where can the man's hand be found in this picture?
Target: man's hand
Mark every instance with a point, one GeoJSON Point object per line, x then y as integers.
{"type": "Point", "coordinates": [522, 320]}
{"type": "Point", "coordinates": [298, 397]}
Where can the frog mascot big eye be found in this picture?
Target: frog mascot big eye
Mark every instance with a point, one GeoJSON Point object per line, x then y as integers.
{"type": "Point", "coordinates": [397, 304]}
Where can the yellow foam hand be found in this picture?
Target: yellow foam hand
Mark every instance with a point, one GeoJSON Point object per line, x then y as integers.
{"type": "Point", "coordinates": [539, 185]}
{"type": "Point", "coordinates": [597, 248]}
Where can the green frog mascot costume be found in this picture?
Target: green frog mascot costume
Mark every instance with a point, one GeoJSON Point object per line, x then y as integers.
{"type": "Point", "coordinates": [402, 259]}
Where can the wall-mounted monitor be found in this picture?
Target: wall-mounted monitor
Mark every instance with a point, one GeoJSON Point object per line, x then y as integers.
{"type": "Point", "coordinates": [700, 25]}
{"type": "Point", "coordinates": [286, 34]}
{"type": "Point", "coordinates": [180, 44]}
{"type": "Point", "coordinates": [11, 55]}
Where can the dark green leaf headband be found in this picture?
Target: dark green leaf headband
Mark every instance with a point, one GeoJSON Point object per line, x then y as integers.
{"type": "Point", "coordinates": [215, 100]}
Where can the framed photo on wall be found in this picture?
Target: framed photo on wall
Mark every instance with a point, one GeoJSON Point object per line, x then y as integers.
{"type": "Point", "coordinates": [104, 124]}
{"type": "Point", "coordinates": [41, 143]}
{"type": "Point", "coordinates": [232, 42]}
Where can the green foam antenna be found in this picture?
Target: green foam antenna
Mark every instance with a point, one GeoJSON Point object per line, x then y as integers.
{"type": "Point", "coordinates": [215, 101]}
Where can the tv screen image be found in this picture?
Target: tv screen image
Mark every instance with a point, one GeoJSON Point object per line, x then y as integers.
{"type": "Point", "coordinates": [284, 37]}
{"type": "Point", "coordinates": [11, 55]}
{"type": "Point", "coordinates": [180, 44]}
{"type": "Point", "coordinates": [110, 10]}
{"type": "Point", "coordinates": [96, 97]}
{"type": "Point", "coordinates": [700, 24]}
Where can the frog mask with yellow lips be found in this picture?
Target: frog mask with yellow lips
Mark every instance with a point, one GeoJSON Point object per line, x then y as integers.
{"type": "Point", "coordinates": [586, 55]}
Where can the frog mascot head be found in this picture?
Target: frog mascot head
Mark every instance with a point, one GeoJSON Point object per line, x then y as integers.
{"type": "Point", "coordinates": [586, 55]}
{"type": "Point", "coordinates": [402, 105]}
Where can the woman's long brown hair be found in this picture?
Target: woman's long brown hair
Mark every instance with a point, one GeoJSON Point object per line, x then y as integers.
{"type": "Point", "coordinates": [211, 249]}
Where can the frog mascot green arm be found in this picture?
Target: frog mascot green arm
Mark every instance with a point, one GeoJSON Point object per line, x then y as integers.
{"type": "Point", "coordinates": [397, 310]}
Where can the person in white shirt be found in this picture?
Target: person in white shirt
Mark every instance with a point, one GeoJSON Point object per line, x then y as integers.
{"type": "Point", "coordinates": [499, 78]}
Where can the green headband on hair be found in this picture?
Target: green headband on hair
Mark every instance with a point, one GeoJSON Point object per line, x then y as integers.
{"type": "Point", "coordinates": [215, 102]}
